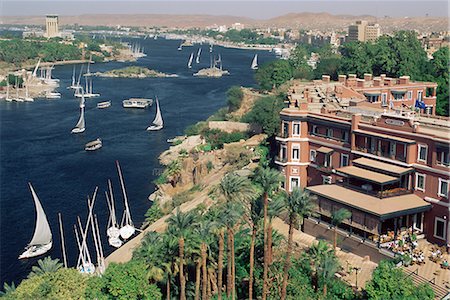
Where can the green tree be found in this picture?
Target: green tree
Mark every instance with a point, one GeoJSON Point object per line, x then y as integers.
{"type": "Point", "coordinates": [235, 190]}
{"type": "Point", "coordinates": [274, 74]}
{"type": "Point", "coordinates": [181, 224]}
{"type": "Point", "coordinates": [234, 98]}
{"type": "Point", "coordinates": [299, 204]}
{"type": "Point", "coordinates": [123, 281]}
{"type": "Point", "coordinates": [328, 66]}
{"type": "Point", "coordinates": [61, 284]}
{"type": "Point", "coordinates": [266, 113]}
{"type": "Point", "coordinates": [268, 180]}
{"type": "Point", "coordinates": [440, 69]}
{"type": "Point", "coordinates": [46, 265]}
{"type": "Point", "coordinates": [8, 289]}
{"type": "Point", "coordinates": [337, 217]}
{"type": "Point", "coordinates": [389, 282]}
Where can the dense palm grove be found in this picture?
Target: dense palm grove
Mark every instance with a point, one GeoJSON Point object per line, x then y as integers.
{"type": "Point", "coordinates": [229, 250]}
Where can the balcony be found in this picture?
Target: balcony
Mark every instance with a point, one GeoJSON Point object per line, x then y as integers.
{"type": "Point", "coordinates": [385, 154]}
{"type": "Point", "coordinates": [279, 159]}
{"type": "Point", "coordinates": [379, 194]}
{"type": "Point", "coordinates": [283, 135]}
{"type": "Point", "coordinates": [325, 169]}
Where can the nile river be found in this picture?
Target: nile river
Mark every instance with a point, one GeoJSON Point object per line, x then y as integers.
{"type": "Point", "coordinates": [37, 146]}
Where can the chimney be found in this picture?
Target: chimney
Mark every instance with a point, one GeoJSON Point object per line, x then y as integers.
{"type": "Point", "coordinates": [326, 78]}
{"type": "Point", "coordinates": [376, 82]}
{"type": "Point", "coordinates": [359, 83]}
{"type": "Point", "coordinates": [356, 118]}
{"type": "Point", "coordinates": [404, 80]}
{"type": "Point", "coordinates": [352, 76]}
{"type": "Point", "coordinates": [342, 78]}
{"type": "Point", "coordinates": [383, 76]}
{"type": "Point", "coordinates": [367, 77]}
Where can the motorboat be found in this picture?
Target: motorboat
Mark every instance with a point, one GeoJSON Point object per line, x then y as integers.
{"type": "Point", "coordinates": [94, 145]}
{"type": "Point", "coordinates": [137, 103]}
{"type": "Point", "coordinates": [104, 104]}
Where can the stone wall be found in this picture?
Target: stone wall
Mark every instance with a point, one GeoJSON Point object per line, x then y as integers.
{"type": "Point", "coordinates": [228, 126]}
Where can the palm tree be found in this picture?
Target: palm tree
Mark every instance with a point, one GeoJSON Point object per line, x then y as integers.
{"type": "Point", "coordinates": [328, 266]}
{"type": "Point", "coordinates": [275, 208]}
{"type": "Point", "coordinates": [299, 205]}
{"type": "Point", "coordinates": [7, 289]}
{"type": "Point", "coordinates": [204, 231]}
{"type": "Point", "coordinates": [168, 253]}
{"type": "Point", "coordinates": [181, 224]}
{"type": "Point", "coordinates": [269, 180]}
{"type": "Point", "coordinates": [46, 265]}
{"type": "Point", "coordinates": [234, 189]}
{"type": "Point", "coordinates": [255, 216]}
{"type": "Point", "coordinates": [337, 217]}
{"type": "Point", "coordinates": [317, 254]}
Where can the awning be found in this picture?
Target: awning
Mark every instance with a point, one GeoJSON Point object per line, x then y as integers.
{"type": "Point", "coordinates": [371, 176]}
{"type": "Point", "coordinates": [385, 136]}
{"type": "Point", "coordinates": [373, 94]}
{"type": "Point", "coordinates": [386, 208]}
{"type": "Point", "coordinates": [381, 166]}
{"type": "Point", "coordinates": [325, 150]}
{"type": "Point", "coordinates": [400, 92]}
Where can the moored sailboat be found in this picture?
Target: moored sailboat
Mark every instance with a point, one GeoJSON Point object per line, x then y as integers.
{"type": "Point", "coordinates": [42, 238]}
{"type": "Point", "coordinates": [113, 231]}
{"type": "Point", "coordinates": [127, 228]}
{"type": "Point", "coordinates": [157, 123]}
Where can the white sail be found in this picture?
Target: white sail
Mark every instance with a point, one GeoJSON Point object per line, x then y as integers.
{"type": "Point", "coordinates": [81, 124]}
{"type": "Point", "coordinates": [42, 233]}
{"type": "Point", "coordinates": [158, 121]}
{"type": "Point", "coordinates": [127, 228]}
{"type": "Point", "coordinates": [73, 77]}
{"type": "Point", "coordinates": [255, 62]}
{"type": "Point", "coordinates": [197, 60]}
{"type": "Point", "coordinates": [190, 60]}
{"type": "Point", "coordinates": [36, 68]}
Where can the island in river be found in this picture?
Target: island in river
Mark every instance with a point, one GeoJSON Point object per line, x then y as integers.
{"type": "Point", "coordinates": [133, 72]}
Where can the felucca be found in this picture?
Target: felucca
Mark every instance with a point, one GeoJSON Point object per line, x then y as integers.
{"type": "Point", "coordinates": [81, 126]}
{"type": "Point", "coordinates": [254, 65]}
{"type": "Point", "coordinates": [157, 123]}
{"type": "Point", "coordinates": [113, 231]}
{"type": "Point", "coordinates": [127, 228]}
{"type": "Point", "coordinates": [190, 61]}
{"type": "Point", "coordinates": [42, 238]}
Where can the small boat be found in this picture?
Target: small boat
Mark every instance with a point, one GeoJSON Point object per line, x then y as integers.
{"type": "Point", "coordinates": [104, 104]}
{"type": "Point", "coordinates": [81, 126]}
{"type": "Point", "coordinates": [210, 48]}
{"type": "Point", "coordinates": [113, 228]}
{"type": "Point", "coordinates": [115, 242]}
{"type": "Point", "coordinates": [42, 238]}
{"type": "Point", "coordinates": [157, 123]}
{"type": "Point", "coordinates": [180, 47]}
{"type": "Point", "coordinates": [137, 103]}
{"type": "Point", "coordinates": [94, 145]}
{"type": "Point", "coordinates": [254, 65]}
{"type": "Point", "coordinates": [52, 95]}
{"type": "Point", "coordinates": [73, 85]}
{"type": "Point", "coordinates": [127, 227]}
{"type": "Point", "coordinates": [88, 92]}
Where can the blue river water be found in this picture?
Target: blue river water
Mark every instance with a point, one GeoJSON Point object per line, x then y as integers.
{"type": "Point", "coordinates": [36, 144]}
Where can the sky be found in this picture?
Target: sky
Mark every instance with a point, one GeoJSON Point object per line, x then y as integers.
{"type": "Point", "coordinates": [250, 8]}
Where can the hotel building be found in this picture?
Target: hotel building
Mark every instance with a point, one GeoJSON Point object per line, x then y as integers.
{"type": "Point", "coordinates": [388, 165]}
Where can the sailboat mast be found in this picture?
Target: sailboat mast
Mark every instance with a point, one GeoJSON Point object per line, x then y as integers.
{"type": "Point", "coordinates": [80, 247]}
{"type": "Point", "coordinates": [113, 208]}
{"type": "Point", "coordinates": [127, 210]}
{"type": "Point", "coordinates": [63, 244]}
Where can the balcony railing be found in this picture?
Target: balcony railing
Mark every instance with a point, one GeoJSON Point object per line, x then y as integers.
{"type": "Point", "coordinates": [379, 194]}
{"type": "Point", "coordinates": [283, 135]}
{"type": "Point", "coordinates": [401, 158]}
{"type": "Point", "coordinates": [281, 159]}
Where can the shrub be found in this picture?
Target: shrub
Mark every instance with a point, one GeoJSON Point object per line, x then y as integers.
{"type": "Point", "coordinates": [217, 137]}
{"type": "Point", "coordinates": [234, 98]}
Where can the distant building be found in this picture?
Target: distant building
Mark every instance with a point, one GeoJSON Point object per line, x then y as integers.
{"type": "Point", "coordinates": [237, 26]}
{"type": "Point", "coordinates": [363, 31]}
{"type": "Point", "coordinates": [51, 26]}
